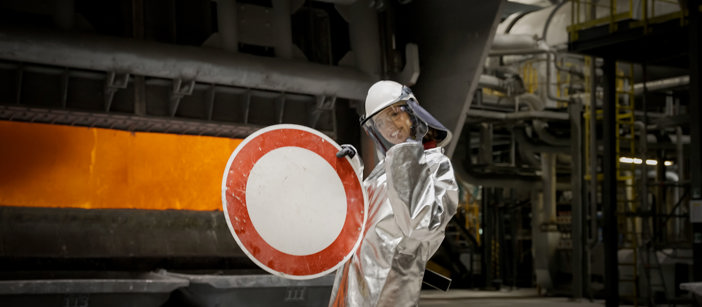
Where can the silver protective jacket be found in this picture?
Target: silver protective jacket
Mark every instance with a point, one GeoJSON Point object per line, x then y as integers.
{"type": "Point", "coordinates": [412, 195]}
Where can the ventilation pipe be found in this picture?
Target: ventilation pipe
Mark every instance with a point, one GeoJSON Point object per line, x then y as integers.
{"type": "Point", "coordinates": [661, 84]}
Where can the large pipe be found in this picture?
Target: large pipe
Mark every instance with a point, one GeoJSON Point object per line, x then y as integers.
{"type": "Point", "coordinates": [505, 42]}
{"type": "Point", "coordinates": [661, 84]}
{"type": "Point", "coordinates": [518, 115]}
{"type": "Point", "coordinates": [283, 42]}
{"type": "Point", "coordinates": [153, 59]}
{"type": "Point", "coordinates": [491, 82]}
{"type": "Point", "coordinates": [227, 24]}
{"type": "Point", "coordinates": [364, 37]}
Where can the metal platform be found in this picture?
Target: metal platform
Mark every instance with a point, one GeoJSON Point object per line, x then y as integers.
{"type": "Point", "coordinates": [662, 43]}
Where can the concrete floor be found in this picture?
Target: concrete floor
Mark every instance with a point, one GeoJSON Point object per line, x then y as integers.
{"type": "Point", "coordinates": [518, 297]}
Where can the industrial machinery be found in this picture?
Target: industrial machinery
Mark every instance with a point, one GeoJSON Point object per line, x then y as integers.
{"type": "Point", "coordinates": [574, 125]}
{"type": "Point", "coordinates": [604, 195]}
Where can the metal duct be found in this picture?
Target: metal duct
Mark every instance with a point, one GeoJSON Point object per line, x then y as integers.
{"type": "Point", "coordinates": [181, 62]}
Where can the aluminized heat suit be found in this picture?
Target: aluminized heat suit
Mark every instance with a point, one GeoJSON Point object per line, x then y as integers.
{"type": "Point", "coordinates": [412, 195]}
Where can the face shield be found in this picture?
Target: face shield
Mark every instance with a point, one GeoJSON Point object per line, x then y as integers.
{"type": "Point", "coordinates": [394, 125]}
{"type": "Point", "coordinates": [403, 120]}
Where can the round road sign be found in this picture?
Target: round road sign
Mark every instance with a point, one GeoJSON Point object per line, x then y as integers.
{"type": "Point", "coordinates": [294, 208]}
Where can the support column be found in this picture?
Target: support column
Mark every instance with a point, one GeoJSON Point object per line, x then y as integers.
{"type": "Point", "coordinates": [695, 30]}
{"type": "Point", "coordinates": [545, 235]}
{"type": "Point", "coordinates": [577, 210]}
{"type": "Point", "coordinates": [609, 188]}
{"type": "Point", "coordinates": [227, 22]}
{"type": "Point", "coordinates": [365, 44]}
{"type": "Point", "coordinates": [283, 43]}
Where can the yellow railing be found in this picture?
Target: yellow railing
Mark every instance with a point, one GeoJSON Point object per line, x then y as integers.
{"type": "Point", "coordinates": [587, 14]}
{"type": "Point", "coordinates": [627, 198]}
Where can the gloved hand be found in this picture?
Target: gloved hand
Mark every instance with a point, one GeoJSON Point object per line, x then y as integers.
{"type": "Point", "coordinates": [346, 150]}
{"type": "Point", "coordinates": [354, 159]}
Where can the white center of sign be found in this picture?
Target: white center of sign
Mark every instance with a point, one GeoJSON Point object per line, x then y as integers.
{"type": "Point", "coordinates": [296, 200]}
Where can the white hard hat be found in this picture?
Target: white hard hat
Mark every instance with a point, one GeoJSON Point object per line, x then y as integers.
{"type": "Point", "coordinates": [384, 93]}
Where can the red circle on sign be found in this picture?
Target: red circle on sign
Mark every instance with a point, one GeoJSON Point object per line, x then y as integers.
{"type": "Point", "coordinates": [261, 252]}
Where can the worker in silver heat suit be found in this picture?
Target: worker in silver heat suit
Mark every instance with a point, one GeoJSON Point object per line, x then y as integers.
{"type": "Point", "coordinates": [412, 195]}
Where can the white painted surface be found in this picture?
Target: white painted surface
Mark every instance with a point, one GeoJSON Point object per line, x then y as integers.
{"type": "Point", "coordinates": [296, 200]}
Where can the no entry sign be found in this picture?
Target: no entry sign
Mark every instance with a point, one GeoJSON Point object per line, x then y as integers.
{"type": "Point", "coordinates": [293, 207]}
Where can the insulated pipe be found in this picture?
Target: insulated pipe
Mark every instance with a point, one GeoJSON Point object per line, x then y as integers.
{"type": "Point", "coordinates": [518, 115]}
{"type": "Point", "coordinates": [504, 42]}
{"type": "Point", "coordinates": [549, 95]}
{"type": "Point", "coordinates": [537, 51]}
{"type": "Point", "coordinates": [491, 82]}
{"type": "Point", "coordinates": [548, 173]}
{"type": "Point", "coordinates": [661, 84]}
{"type": "Point", "coordinates": [203, 65]}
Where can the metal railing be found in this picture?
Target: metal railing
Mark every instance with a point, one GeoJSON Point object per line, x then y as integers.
{"type": "Point", "coordinates": [640, 13]}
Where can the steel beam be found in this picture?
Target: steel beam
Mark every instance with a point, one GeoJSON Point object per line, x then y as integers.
{"type": "Point", "coordinates": [577, 204]}
{"type": "Point", "coordinates": [695, 52]}
{"type": "Point", "coordinates": [609, 188]}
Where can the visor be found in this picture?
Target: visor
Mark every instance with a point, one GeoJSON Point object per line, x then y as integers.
{"type": "Point", "coordinates": [404, 120]}
{"type": "Point", "coordinates": [439, 133]}
{"type": "Point", "coordinates": [394, 125]}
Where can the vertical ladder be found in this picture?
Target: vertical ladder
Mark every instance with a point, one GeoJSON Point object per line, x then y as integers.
{"type": "Point", "coordinates": [627, 200]}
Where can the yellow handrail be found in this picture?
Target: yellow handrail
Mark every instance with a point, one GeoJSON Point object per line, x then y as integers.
{"type": "Point", "coordinates": [580, 21]}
